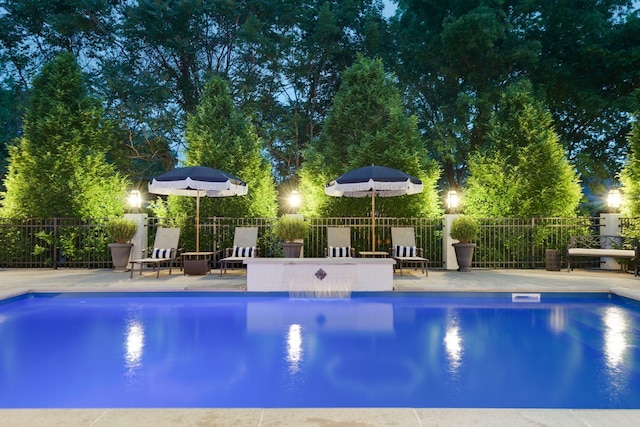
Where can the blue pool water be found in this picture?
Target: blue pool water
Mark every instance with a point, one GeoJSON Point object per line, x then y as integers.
{"type": "Point", "coordinates": [371, 350]}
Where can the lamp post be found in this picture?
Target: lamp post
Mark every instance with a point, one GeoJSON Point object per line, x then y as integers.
{"type": "Point", "coordinates": [614, 200]}
{"type": "Point", "coordinates": [295, 200]}
{"type": "Point", "coordinates": [452, 201]}
{"type": "Point", "coordinates": [135, 200]}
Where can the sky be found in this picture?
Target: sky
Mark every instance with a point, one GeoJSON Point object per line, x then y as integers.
{"type": "Point", "coordinates": [389, 8]}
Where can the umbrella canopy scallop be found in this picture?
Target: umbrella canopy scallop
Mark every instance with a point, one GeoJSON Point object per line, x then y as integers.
{"type": "Point", "coordinates": [197, 181]}
{"type": "Point", "coordinates": [381, 180]}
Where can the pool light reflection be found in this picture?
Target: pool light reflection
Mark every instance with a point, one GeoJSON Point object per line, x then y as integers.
{"type": "Point", "coordinates": [294, 347]}
{"type": "Point", "coordinates": [134, 344]}
{"type": "Point", "coordinates": [453, 343]}
{"type": "Point", "coordinates": [615, 340]}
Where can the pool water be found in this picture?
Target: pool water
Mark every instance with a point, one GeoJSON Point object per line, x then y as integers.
{"type": "Point", "coordinates": [371, 350]}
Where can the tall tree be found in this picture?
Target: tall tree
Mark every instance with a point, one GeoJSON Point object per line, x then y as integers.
{"type": "Point", "coordinates": [367, 125]}
{"type": "Point", "coordinates": [219, 136]}
{"type": "Point", "coordinates": [523, 172]}
{"type": "Point", "coordinates": [630, 176]}
{"type": "Point", "coordinates": [456, 57]}
{"type": "Point", "coordinates": [58, 167]}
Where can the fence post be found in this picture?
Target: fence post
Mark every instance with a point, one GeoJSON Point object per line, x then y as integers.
{"type": "Point", "coordinates": [448, 251]}
{"type": "Point", "coordinates": [140, 240]}
{"type": "Point", "coordinates": [610, 226]}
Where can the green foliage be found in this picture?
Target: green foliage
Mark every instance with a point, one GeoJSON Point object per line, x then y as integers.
{"type": "Point", "coordinates": [367, 125]}
{"type": "Point", "coordinates": [58, 167]}
{"type": "Point", "coordinates": [290, 228]}
{"type": "Point", "coordinates": [121, 230]}
{"type": "Point", "coordinates": [524, 172]}
{"type": "Point", "coordinates": [630, 176]}
{"type": "Point", "coordinates": [220, 137]}
{"type": "Point", "coordinates": [464, 228]}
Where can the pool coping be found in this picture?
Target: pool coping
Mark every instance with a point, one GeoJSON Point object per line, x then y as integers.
{"type": "Point", "coordinates": [14, 282]}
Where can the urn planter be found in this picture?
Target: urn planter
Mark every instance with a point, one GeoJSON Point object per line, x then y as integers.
{"type": "Point", "coordinates": [120, 255]}
{"type": "Point", "coordinates": [464, 255]}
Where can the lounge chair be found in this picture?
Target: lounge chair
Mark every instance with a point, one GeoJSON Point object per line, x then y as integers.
{"type": "Point", "coordinates": [245, 240]}
{"type": "Point", "coordinates": [339, 243]}
{"type": "Point", "coordinates": [164, 251]}
{"type": "Point", "coordinates": [404, 249]}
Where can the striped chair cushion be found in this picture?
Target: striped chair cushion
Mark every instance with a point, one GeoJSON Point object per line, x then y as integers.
{"type": "Point", "coordinates": [339, 251]}
{"type": "Point", "coordinates": [406, 251]}
{"type": "Point", "coordinates": [161, 253]}
{"type": "Point", "coordinates": [241, 252]}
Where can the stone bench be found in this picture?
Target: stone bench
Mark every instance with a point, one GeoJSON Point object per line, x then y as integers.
{"type": "Point", "coordinates": [603, 246]}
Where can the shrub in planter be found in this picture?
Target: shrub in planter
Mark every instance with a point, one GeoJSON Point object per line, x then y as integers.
{"type": "Point", "coordinates": [465, 230]}
{"type": "Point", "coordinates": [121, 231]}
{"type": "Point", "coordinates": [291, 228]}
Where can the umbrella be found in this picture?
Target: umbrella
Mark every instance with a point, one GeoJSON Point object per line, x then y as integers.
{"type": "Point", "coordinates": [198, 181]}
{"type": "Point", "coordinates": [372, 181]}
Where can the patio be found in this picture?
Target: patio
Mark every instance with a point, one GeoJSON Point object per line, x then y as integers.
{"type": "Point", "coordinates": [16, 281]}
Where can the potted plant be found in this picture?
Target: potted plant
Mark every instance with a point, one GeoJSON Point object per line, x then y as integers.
{"type": "Point", "coordinates": [121, 231]}
{"type": "Point", "coordinates": [292, 229]}
{"type": "Point", "coordinates": [465, 230]}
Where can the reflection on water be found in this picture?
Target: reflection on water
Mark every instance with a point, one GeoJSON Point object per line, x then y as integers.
{"type": "Point", "coordinates": [615, 340]}
{"type": "Point", "coordinates": [134, 343]}
{"type": "Point", "coordinates": [294, 348]}
{"type": "Point", "coordinates": [557, 319]}
{"type": "Point", "coordinates": [453, 342]}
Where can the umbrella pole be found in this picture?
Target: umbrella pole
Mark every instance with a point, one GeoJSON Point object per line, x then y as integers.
{"type": "Point", "coordinates": [198, 221]}
{"type": "Point", "coordinates": [373, 221]}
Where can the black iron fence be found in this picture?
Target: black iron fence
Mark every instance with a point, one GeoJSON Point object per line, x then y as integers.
{"type": "Point", "coordinates": [503, 243]}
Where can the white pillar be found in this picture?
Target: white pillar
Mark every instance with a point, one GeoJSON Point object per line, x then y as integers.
{"type": "Point", "coordinates": [448, 252]}
{"type": "Point", "coordinates": [141, 238]}
{"type": "Point", "coordinates": [610, 226]}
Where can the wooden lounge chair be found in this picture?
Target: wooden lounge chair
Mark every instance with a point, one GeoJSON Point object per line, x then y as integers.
{"type": "Point", "coordinates": [339, 243]}
{"type": "Point", "coordinates": [404, 249]}
{"type": "Point", "coordinates": [245, 240]}
{"type": "Point", "coordinates": [164, 251]}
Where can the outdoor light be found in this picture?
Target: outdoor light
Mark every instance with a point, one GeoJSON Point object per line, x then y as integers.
{"type": "Point", "coordinates": [295, 199]}
{"type": "Point", "coordinates": [614, 199]}
{"type": "Point", "coordinates": [452, 200]}
{"type": "Point", "coordinates": [135, 199]}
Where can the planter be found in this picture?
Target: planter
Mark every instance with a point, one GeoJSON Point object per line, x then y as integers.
{"type": "Point", "coordinates": [552, 259]}
{"type": "Point", "coordinates": [464, 255]}
{"type": "Point", "coordinates": [292, 249]}
{"type": "Point", "coordinates": [120, 255]}
{"type": "Point", "coordinates": [196, 266]}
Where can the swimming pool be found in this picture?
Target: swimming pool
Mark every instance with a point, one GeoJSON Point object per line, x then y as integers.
{"type": "Point", "coordinates": [371, 350]}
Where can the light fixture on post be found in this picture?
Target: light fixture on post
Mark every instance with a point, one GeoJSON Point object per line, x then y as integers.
{"type": "Point", "coordinates": [135, 200]}
{"type": "Point", "coordinates": [452, 200]}
{"type": "Point", "coordinates": [295, 200]}
{"type": "Point", "coordinates": [614, 200]}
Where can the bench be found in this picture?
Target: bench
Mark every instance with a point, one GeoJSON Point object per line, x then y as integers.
{"type": "Point", "coordinates": [603, 246]}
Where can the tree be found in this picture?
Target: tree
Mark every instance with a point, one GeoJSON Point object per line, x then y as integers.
{"type": "Point", "coordinates": [523, 172]}
{"type": "Point", "coordinates": [58, 166]}
{"type": "Point", "coordinates": [455, 58]}
{"type": "Point", "coordinates": [219, 136]}
{"type": "Point", "coordinates": [367, 125]}
{"type": "Point", "coordinates": [630, 176]}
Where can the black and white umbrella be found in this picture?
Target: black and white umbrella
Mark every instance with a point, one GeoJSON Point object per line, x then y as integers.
{"type": "Point", "coordinates": [198, 181]}
{"type": "Point", "coordinates": [372, 181]}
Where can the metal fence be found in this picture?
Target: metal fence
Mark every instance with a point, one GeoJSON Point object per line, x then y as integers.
{"type": "Point", "coordinates": [502, 243]}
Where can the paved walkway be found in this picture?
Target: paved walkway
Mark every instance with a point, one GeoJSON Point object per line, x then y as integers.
{"type": "Point", "coordinates": [17, 281]}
